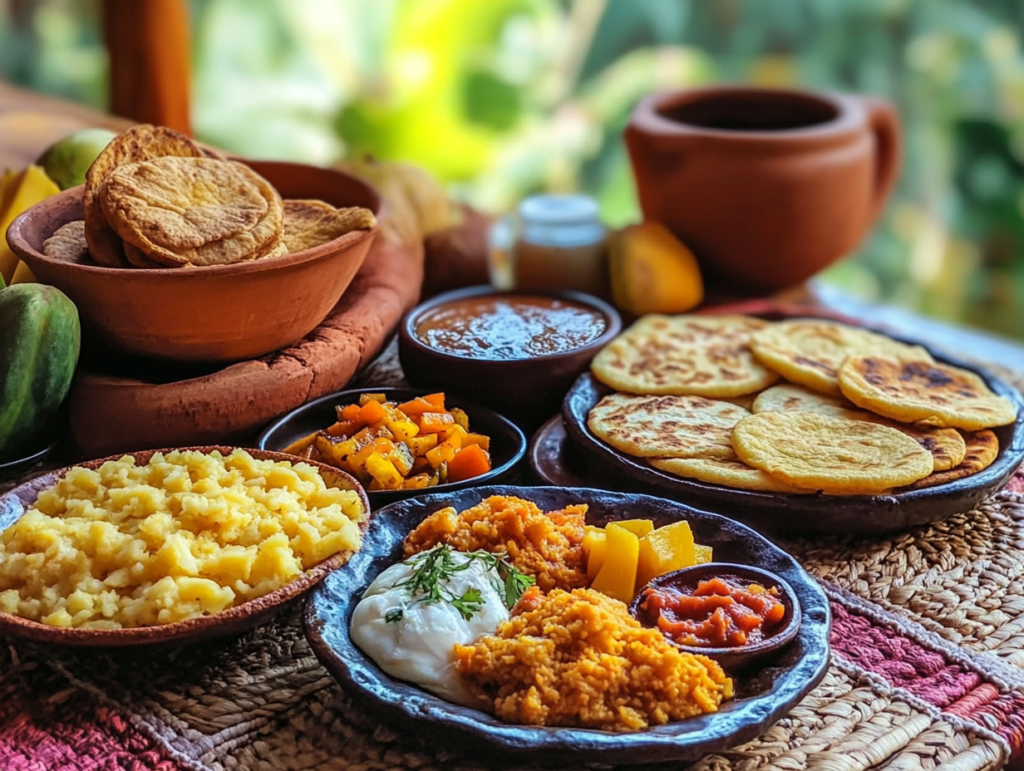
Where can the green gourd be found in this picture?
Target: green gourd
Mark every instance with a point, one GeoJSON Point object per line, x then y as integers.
{"type": "Point", "coordinates": [40, 337]}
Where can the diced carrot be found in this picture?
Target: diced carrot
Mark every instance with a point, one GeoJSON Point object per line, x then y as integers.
{"type": "Point", "coordinates": [350, 412]}
{"type": "Point", "coordinates": [372, 412]}
{"type": "Point", "coordinates": [344, 428]}
{"type": "Point", "coordinates": [417, 407]}
{"type": "Point", "coordinates": [435, 399]}
{"type": "Point", "coordinates": [468, 462]}
{"type": "Point", "coordinates": [435, 422]}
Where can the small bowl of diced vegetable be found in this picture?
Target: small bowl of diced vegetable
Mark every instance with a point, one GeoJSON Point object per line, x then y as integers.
{"type": "Point", "coordinates": [401, 442]}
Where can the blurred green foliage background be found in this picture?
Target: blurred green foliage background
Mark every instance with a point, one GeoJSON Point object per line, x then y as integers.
{"type": "Point", "coordinates": [501, 98]}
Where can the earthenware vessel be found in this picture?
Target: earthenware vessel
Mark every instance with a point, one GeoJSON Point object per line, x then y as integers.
{"type": "Point", "coordinates": [763, 695]}
{"type": "Point", "coordinates": [525, 390]}
{"type": "Point", "coordinates": [228, 622]}
{"type": "Point", "coordinates": [508, 444]}
{"type": "Point", "coordinates": [217, 313]}
{"type": "Point", "coordinates": [731, 659]}
{"type": "Point", "coordinates": [767, 187]}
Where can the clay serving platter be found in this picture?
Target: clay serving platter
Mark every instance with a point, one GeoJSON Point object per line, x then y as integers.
{"type": "Point", "coordinates": [232, 621]}
{"type": "Point", "coordinates": [508, 444]}
{"type": "Point", "coordinates": [779, 512]}
{"type": "Point", "coordinates": [764, 694]}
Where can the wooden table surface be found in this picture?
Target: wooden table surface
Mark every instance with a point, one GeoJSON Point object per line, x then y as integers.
{"type": "Point", "coordinates": [29, 122]}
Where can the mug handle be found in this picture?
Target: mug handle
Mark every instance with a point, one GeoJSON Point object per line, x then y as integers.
{"type": "Point", "coordinates": [884, 123]}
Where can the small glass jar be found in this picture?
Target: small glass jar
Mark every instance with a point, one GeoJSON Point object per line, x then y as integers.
{"type": "Point", "coordinates": [552, 242]}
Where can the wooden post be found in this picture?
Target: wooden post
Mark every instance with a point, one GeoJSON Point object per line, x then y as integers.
{"type": "Point", "coordinates": [150, 75]}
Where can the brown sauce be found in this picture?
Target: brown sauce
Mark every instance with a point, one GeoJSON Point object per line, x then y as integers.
{"type": "Point", "coordinates": [510, 326]}
{"type": "Point", "coordinates": [721, 612]}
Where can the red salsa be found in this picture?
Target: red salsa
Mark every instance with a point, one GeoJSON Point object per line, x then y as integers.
{"type": "Point", "coordinates": [721, 612]}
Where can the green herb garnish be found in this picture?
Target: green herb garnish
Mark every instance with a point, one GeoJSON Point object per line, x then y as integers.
{"type": "Point", "coordinates": [433, 569]}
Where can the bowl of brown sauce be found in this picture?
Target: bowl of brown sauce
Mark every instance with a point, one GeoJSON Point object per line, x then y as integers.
{"type": "Point", "coordinates": [517, 352]}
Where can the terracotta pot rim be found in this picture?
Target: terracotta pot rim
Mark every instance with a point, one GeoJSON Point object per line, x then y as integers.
{"type": "Point", "coordinates": [407, 330]}
{"type": "Point", "coordinates": [19, 243]}
{"type": "Point", "coordinates": [849, 114]}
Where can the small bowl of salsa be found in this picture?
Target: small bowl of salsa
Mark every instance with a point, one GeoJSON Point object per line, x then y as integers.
{"type": "Point", "coordinates": [516, 351]}
{"type": "Point", "coordinates": [734, 614]}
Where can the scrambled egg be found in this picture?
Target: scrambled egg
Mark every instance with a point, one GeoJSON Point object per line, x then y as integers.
{"type": "Point", "coordinates": [187, 534]}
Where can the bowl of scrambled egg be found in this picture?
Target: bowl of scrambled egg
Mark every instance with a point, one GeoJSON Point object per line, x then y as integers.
{"type": "Point", "coordinates": [170, 545]}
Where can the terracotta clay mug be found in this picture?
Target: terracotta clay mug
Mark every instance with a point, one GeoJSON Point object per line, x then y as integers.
{"type": "Point", "coordinates": [767, 187]}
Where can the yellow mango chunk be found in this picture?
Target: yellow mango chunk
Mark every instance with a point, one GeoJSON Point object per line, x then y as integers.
{"type": "Point", "coordinates": [664, 550]}
{"type": "Point", "coordinates": [701, 554]}
{"type": "Point", "coordinates": [617, 576]}
{"type": "Point", "coordinates": [639, 527]}
{"type": "Point", "coordinates": [595, 546]}
{"type": "Point", "coordinates": [28, 188]}
{"type": "Point", "coordinates": [652, 271]}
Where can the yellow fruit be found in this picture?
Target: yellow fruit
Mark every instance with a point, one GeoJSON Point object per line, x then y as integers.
{"type": "Point", "coordinates": [639, 527]}
{"type": "Point", "coordinates": [27, 189]}
{"type": "Point", "coordinates": [701, 554]}
{"type": "Point", "coordinates": [617, 576]}
{"type": "Point", "coordinates": [664, 550]}
{"type": "Point", "coordinates": [595, 546]}
{"type": "Point", "coordinates": [652, 272]}
{"type": "Point", "coordinates": [22, 275]}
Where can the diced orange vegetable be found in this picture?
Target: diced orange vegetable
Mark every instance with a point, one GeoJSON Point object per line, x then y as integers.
{"type": "Point", "coordinates": [357, 461]}
{"type": "Point", "coordinates": [435, 422]}
{"type": "Point", "coordinates": [617, 576]}
{"type": "Point", "coordinates": [344, 428]}
{"type": "Point", "coordinates": [436, 399]}
{"type": "Point", "coordinates": [404, 430]}
{"type": "Point", "coordinates": [443, 453]}
{"type": "Point", "coordinates": [480, 439]}
{"type": "Point", "coordinates": [365, 399]}
{"type": "Point", "coordinates": [460, 417]}
{"type": "Point", "coordinates": [454, 436]}
{"type": "Point", "coordinates": [416, 407]}
{"type": "Point", "coordinates": [350, 412]}
{"type": "Point", "coordinates": [421, 445]}
{"type": "Point", "coordinates": [300, 445]}
{"type": "Point", "coordinates": [384, 471]}
{"type": "Point", "coordinates": [372, 412]}
{"type": "Point", "coordinates": [468, 462]}
{"type": "Point", "coordinates": [417, 482]}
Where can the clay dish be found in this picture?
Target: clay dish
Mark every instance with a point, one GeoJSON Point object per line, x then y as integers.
{"type": "Point", "coordinates": [508, 444]}
{"type": "Point", "coordinates": [763, 696]}
{"type": "Point", "coordinates": [229, 622]}
{"type": "Point", "coordinates": [731, 659]}
{"type": "Point", "coordinates": [218, 313]}
{"type": "Point", "coordinates": [526, 390]}
{"type": "Point", "coordinates": [799, 514]}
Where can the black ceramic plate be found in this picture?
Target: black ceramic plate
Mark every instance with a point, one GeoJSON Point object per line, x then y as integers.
{"type": "Point", "coordinates": [763, 695]}
{"type": "Point", "coordinates": [799, 513]}
{"type": "Point", "coordinates": [508, 444]}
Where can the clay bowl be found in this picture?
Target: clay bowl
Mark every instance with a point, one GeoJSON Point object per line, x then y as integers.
{"type": "Point", "coordinates": [232, 621]}
{"type": "Point", "coordinates": [763, 695]}
{"type": "Point", "coordinates": [211, 314]}
{"type": "Point", "coordinates": [731, 659]}
{"type": "Point", "coordinates": [526, 390]}
{"type": "Point", "coordinates": [508, 444]}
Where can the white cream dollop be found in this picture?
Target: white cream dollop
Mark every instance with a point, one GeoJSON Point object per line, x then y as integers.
{"type": "Point", "coordinates": [419, 647]}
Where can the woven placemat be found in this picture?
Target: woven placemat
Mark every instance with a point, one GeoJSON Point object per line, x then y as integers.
{"type": "Point", "coordinates": [927, 673]}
